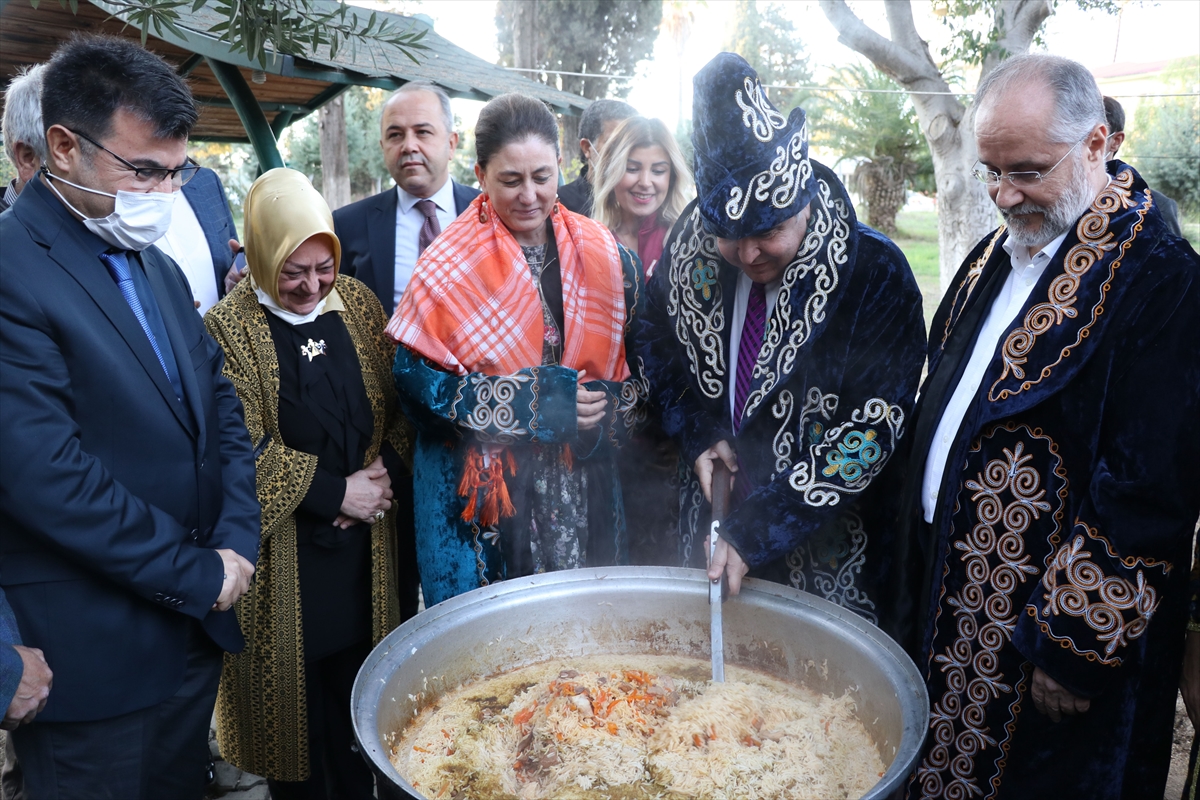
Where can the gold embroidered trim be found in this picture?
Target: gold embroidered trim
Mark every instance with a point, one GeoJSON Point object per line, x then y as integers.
{"type": "Point", "coordinates": [969, 282]}
{"type": "Point", "coordinates": [1077, 587]}
{"type": "Point", "coordinates": [1095, 240]}
{"type": "Point", "coordinates": [1007, 494]}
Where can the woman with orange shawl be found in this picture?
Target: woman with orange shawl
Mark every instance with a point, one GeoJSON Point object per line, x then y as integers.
{"type": "Point", "coordinates": [515, 330]}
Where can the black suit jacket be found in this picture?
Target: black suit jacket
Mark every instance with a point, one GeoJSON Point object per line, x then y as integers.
{"type": "Point", "coordinates": [367, 231]}
{"type": "Point", "coordinates": [113, 493]}
{"type": "Point", "coordinates": [206, 196]}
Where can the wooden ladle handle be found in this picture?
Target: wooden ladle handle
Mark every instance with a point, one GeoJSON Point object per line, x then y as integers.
{"type": "Point", "coordinates": [721, 479]}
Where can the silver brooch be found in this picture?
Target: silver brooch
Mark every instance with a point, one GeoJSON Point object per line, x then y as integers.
{"type": "Point", "coordinates": [313, 349]}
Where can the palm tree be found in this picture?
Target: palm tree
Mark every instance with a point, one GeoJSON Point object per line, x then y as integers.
{"type": "Point", "coordinates": [868, 118]}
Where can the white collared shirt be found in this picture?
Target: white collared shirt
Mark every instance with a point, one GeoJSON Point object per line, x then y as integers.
{"type": "Point", "coordinates": [1025, 272]}
{"type": "Point", "coordinates": [740, 299]}
{"type": "Point", "coordinates": [409, 220]}
{"type": "Point", "coordinates": [185, 242]}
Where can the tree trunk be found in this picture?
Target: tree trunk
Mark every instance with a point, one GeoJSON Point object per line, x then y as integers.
{"type": "Point", "coordinates": [525, 36]}
{"type": "Point", "coordinates": [881, 185]}
{"type": "Point", "coordinates": [965, 212]}
{"type": "Point", "coordinates": [335, 154]}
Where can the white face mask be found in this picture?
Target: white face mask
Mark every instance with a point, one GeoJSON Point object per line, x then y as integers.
{"type": "Point", "coordinates": [138, 220]}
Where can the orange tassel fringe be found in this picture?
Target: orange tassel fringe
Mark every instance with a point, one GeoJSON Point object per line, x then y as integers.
{"type": "Point", "coordinates": [477, 478]}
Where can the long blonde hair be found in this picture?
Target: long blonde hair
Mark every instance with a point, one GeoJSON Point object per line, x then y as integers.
{"type": "Point", "coordinates": [629, 135]}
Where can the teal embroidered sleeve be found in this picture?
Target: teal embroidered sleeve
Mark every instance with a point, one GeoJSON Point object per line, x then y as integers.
{"type": "Point", "coordinates": [533, 405]}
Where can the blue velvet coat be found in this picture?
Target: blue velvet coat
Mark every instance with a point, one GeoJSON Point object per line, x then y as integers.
{"type": "Point", "coordinates": [1065, 538]}
{"type": "Point", "coordinates": [833, 385]}
{"type": "Point", "coordinates": [530, 409]}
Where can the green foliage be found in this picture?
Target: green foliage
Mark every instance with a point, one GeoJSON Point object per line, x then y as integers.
{"type": "Point", "coordinates": [368, 174]}
{"type": "Point", "coordinates": [462, 164]}
{"type": "Point", "coordinates": [975, 26]}
{"type": "Point", "coordinates": [604, 37]}
{"type": "Point", "coordinates": [769, 42]}
{"type": "Point", "coordinates": [1163, 143]}
{"type": "Point", "coordinates": [865, 121]}
{"type": "Point", "coordinates": [292, 27]}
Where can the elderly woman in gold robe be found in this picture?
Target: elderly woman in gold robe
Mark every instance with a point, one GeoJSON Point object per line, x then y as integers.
{"type": "Point", "coordinates": [306, 350]}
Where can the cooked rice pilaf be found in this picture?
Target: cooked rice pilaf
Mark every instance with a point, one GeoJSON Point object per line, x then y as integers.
{"type": "Point", "coordinates": [634, 728]}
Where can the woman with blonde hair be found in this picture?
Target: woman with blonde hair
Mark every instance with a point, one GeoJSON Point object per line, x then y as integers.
{"type": "Point", "coordinates": [642, 185]}
{"type": "Point", "coordinates": [306, 350]}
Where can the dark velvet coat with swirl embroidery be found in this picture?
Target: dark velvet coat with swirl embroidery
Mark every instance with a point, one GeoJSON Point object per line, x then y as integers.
{"type": "Point", "coordinates": [833, 385]}
{"type": "Point", "coordinates": [1064, 541]}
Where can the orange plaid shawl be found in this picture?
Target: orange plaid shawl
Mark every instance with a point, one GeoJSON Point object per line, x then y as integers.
{"type": "Point", "coordinates": [472, 305]}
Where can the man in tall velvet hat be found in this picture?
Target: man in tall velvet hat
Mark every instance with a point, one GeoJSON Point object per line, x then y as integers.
{"type": "Point", "coordinates": [1054, 485]}
{"type": "Point", "coordinates": [785, 339]}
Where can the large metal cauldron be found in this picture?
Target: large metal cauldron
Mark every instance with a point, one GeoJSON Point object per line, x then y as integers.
{"type": "Point", "coordinates": [636, 610]}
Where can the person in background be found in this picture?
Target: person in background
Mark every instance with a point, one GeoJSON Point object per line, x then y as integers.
{"type": "Point", "coordinates": [515, 366]}
{"type": "Point", "coordinates": [306, 349]}
{"type": "Point", "coordinates": [784, 339]}
{"type": "Point", "coordinates": [1054, 488]}
{"type": "Point", "coordinates": [202, 239]}
{"type": "Point", "coordinates": [382, 236]}
{"type": "Point", "coordinates": [597, 123]}
{"type": "Point", "coordinates": [127, 504]}
{"type": "Point", "coordinates": [642, 185]}
{"type": "Point", "coordinates": [1114, 116]}
{"type": "Point", "coordinates": [24, 137]}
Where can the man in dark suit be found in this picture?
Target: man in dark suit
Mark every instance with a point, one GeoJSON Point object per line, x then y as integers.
{"type": "Point", "coordinates": [382, 236]}
{"type": "Point", "coordinates": [127, 486]}
{"type": "Point", "coordinates": [198, 239]}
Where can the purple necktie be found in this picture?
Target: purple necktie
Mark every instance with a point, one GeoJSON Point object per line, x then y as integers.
{"type": "Point", "coordinates": [750, 344]}
{"type": "Point", "coordinates": [431, 228]}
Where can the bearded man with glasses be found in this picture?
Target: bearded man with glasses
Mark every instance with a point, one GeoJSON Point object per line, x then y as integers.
{"type": "Point", "coordinates": [1054, 483]}
{"type": "Point", "coordinates": [129, 520]}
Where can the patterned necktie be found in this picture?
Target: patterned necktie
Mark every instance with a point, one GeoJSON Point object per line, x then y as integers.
{"type": "Point", "coordinates": [748, 347]}
{"type": "Point", "coordinates": [431, 228]}
{"type": "Point", "coordinates": [118, 267]}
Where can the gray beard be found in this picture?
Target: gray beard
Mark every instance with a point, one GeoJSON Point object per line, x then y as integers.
{"type": "Point", "coordinates": [1056, 219]}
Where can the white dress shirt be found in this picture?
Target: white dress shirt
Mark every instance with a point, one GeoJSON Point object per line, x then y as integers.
{"type": "Point", "coordinates": [740, 299]}
{"type": "Point", "coordinates": [185, 242]}
{"type": "Point", "coordinates": [1026, 270]}
{"type": "Point", "coordinates": [409, 220]}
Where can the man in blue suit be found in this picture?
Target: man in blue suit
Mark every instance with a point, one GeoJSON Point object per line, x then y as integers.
{"type": "Point", "coordinates": [127, 485]}
{"type": "Point", "coordinates": [382, 237]}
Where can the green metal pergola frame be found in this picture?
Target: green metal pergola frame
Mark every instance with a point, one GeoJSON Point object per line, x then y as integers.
{"type": "Point", "coordinates": [30, 35]}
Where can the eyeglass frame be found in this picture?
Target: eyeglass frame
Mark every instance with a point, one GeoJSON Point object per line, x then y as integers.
{"type": "Point", "coordinates": [1033, 177]}
{"type": "Point", "coordinates": [182, 174]}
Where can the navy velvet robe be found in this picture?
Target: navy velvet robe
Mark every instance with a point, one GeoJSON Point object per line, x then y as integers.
{"type": "Point", "coordinates": [532, 408]}
{"type": "Point", "coordinates": [833, 386]}
{"type": "Point", "coordinates": [1064, 541]}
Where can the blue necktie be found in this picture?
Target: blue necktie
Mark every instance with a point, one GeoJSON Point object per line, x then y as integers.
{"type": "Point", "coordinates": [118, 267]}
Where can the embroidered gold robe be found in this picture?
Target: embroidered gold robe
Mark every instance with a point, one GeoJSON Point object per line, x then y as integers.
{"type": "Point", "coordinates": [261, 714]}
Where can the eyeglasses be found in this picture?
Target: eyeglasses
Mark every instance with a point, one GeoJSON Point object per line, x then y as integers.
{"type": "Point", "coordinates": [1022, 180]}
{"type": "Point", "coordinates": [150, 176]}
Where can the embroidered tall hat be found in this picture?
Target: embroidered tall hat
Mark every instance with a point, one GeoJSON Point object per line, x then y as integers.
{"type": "Point", "coordinates": [751, 163]}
